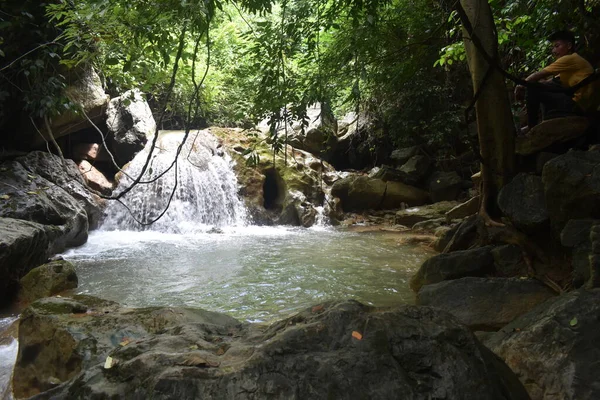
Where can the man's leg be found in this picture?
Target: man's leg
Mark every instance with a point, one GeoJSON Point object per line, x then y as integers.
{"type": "Point", "coordinates": [551, 99]}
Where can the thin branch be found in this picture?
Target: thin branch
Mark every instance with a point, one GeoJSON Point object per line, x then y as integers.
{"type": "Point", "coordinates": [29, 52]}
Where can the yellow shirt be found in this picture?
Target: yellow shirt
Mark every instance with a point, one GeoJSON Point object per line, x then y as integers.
{"type": "Point", "coordinates": [572, 69]}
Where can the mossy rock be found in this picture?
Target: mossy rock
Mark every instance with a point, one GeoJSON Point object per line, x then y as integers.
{"type": "Point", "coordinates": [48, 280]}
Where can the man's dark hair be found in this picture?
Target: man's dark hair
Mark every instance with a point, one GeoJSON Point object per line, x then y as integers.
{"type": "Point", "coordinates": [567, 36]}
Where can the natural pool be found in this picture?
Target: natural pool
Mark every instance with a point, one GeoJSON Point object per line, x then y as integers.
{"type": "Point", "coordinates": [251, 273]}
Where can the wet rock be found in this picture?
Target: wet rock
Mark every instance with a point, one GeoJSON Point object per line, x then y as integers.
{"type": "Point", "coordinates": [522, 201]}
{"type": "Point", "coordinates": [29, 196]}
{"type": "Point", "coordinates": [458, 264]}
{"type": "Point", "coordinates": [358, 193]}
{"type": "Point", "coordinates": [413, 215]}
{"type": "Point", "coordinates": [485, 304]}
{"type": "Point", "coordinates": [554, 348]}
{"type": "Point", "coordinates": [444, 186]}
{"type": "Point", "coordinates": [400, 156]}
{"type": "Point", "coordinates": [557, 130]}
{"type": "Point", "coordinates": [572, 187]}
{"type": "Point", "coordinates": [50, 167]}
{"type": "Point", "coordinates": [577, 235]}
{"type": "Point", "coordinates": [130, 123]}
{"type": "Point", "coordinates": [386, 174]}
{"type": "Point", "coordinates": [323, 352]}
{"type": "Point", "coordinates": [415, 169]}
{"type": "Point", "coordinates": [429, 225]}
{"type": "Point", "coordinates": [47, 280]}
{"type": "Point", "coordinates": [23, 245]}
{"type": "Point", "coordinates": [297, 211]}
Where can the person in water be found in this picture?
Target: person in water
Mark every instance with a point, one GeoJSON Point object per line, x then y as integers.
{"type": "Point", "coordinates": [549, 94]}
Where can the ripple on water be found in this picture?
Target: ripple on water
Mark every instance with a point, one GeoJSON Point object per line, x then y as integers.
{"type": "Point", "coordinates": [253, 273]}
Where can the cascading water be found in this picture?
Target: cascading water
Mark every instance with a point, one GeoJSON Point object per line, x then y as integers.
{"type": "Point", "coordinates": [204, 184]}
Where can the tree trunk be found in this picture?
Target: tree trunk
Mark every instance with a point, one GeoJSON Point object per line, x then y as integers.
{"type": "Point", "coordinates": [495, 125]}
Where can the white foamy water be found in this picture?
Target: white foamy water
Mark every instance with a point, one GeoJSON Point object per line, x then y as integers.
{"type": "Point", "coordinates": [8, 355]}
{"type": "Point", "coordinates": [199, 192]}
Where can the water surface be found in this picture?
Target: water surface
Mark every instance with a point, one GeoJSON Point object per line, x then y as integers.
{"type": "Point", "coordinates": [251, 273]}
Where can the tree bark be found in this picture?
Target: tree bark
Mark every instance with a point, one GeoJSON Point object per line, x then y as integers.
{"type": "Point", "coordinates": [495, 127]}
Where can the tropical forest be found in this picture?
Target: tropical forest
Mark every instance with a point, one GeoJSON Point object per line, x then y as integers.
{"type": "Point", "coordinates": [299, 199]}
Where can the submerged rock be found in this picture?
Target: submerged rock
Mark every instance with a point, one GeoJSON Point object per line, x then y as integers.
{"type": "Point", "coordinates": [554, 348]}
{"type": "Point", "coordinates": [326, 351]}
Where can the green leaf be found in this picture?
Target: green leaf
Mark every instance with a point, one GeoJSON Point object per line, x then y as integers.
{"type": "Point", "coordinates": [573, 322]}
{"type": "Point", "coordinates": [112, 61]}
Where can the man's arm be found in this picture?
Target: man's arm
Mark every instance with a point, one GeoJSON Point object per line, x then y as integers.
{"type": "Point", "coordinates": [538, 76]}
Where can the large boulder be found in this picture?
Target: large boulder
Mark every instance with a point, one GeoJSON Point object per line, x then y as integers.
{"type": "Point", "coordinates": [68, 178]}
{"type": "Point", "coordinates": [317, 134]}
{"type": "Point", "coordinates": [359, 193]}
{"type": "Point", "coordinates": [444, 186]}
{"type": "Point", "coordinates": [458, 264]}
{"type": "Point", "coordinates": [485, 304]}
{"type": "Point", "coordinates": [572, 187]}
{"type": "Point", "coordinates": [400, 156]}
{"type": "Point", "coordinates": [23, 245]}
{"type": "Point", "coordinates": [554, 348]}
{"type": "Point", "coordinates": [29, 196]}
{"type": "Point", "coordinates": [86, 348]}
{"type": "Point", "coordinates": [87, 93]}
{"type": "Point", "coordinates": [130, 123]}
{"type": "Point", "coordinates": [410, 216]}
{"type": "Point", "coordinates": [577, 235]}
{"type": "Point", "coordinates": [523, 202]}
{"type": "Point", "coordinates": [415, 169]}
{"type": "Point", "coordinates": [47, 280]}
{"type": "Point", "coordinates": [557, 130]}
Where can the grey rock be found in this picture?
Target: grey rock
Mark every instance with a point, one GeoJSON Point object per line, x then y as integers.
{"type": "Point", "coordinates": [465, 209]}
{"type": "Point", "coordinates": [413, 215]}
{"type": "Point", "coordinates": [23, 245]}
{"type": "Point", "coordinates": [554, 348]}
{"type": "Point", "coordinates": [429, 225]}
{"type": "Point", "coordinates": [444, 186]}
{"type": "Point", "coordinates": [522, 201]}
{"type": "Point", "coordinates": [458, 264]}
{"type": "Point", "coordinates": [557, 130]}
{"type": "Point", "coordinates": [577, 232]}
{"type": "Point", "coordinates": [461, 237]}
{"type": "Point", "coordinates": [508, 261]}
{"type": "Point", "coordinates": [485, 304]}
{"type": "Point", "coordinates": [415, 169]}
{"type": "Point", "coordinates": [50, 167]}
{"type": "Point", "coordinates": [400, 156]}
{"type": "Point", "coordinates": [130, 123]}
{"type": "Point", "coordinates": [47, 280]}
{"type": "Point", "coordinates": [31, 197]}
{"type": "Point", "coordinates": [323, 352]}
{"type": "Point", "coordinates": [398, 195]}
{"type": "Point", "coordinates": [572, 187]}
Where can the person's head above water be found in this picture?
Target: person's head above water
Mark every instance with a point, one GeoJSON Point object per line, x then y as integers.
{"type": "Point", "coordinates": [563, 43]}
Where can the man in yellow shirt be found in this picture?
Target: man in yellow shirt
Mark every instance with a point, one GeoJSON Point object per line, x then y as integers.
{"type": "Point", "coordinates": [568, 70]}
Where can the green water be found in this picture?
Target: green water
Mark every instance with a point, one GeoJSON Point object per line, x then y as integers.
{"type": "Point", "coordinates": [251, 273]}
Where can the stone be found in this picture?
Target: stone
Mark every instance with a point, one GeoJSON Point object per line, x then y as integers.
{"type": "Point", "coordinates": [541, 159]}
{"type": "Point", "coordinates": [461, 236]}
{"type": "Point", "coordinates": [476, 179]}
{"type": "Point", "coordinates": [386, 174]}
{"type": "Point", "coordinates": [50, 167]}
{"type": "Point", "coordinates": [47, 280]}
{"type": "Point", "coordinates": [358, 193]}
{"type": "Point", "coordinates": [554, 349]}
{"type": "Point", "coordinates": [29, 196]}
{"type": "Point", "coordinates": [85, 91]}
{"type": "Point", "coordinates": [94, 178]}
{"type": "Point", "coordinates": [415, 169]}
{"type": "Point", "coordinates": [557, 130]}
{"type": "Point", "coordinates": [23, 245]}
{"type": "Point", "coordinates": [297, 211]}
{"type": "Point", "coordinates": [577, 232]}
{"type": "Point", "coordinates": [325, 351]}
{"type": "Point", "coordinates": [413, 215]}
{"type": "Point", "coordinates": [465, 209]}
{"type": "Point", "coordinates": [485, 304]}
{"type": "Point", "coordinates": [572, 187]}
{"type": "Point", "coordinates": [130, 123]}
{"type": "Point", "coordinates": [429, 225]}
{"type": "Point", "coordinates": [508, 261]}
{"type": "Point", "coordinates": [398, 194]}
{"type": "Point", "coordinates": [458, 264]}
{"type": "Point", "coordinates": [522, 201]}
{"type": "Point", "coordinates": [85, 151]}
{"type": "Point", "coordinates": [400, 156]}
{"type": "Point", "coordinates": [444, 186]}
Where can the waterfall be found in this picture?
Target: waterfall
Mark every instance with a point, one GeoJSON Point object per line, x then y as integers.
{"type": "Point", "coordinates": [206, 195]}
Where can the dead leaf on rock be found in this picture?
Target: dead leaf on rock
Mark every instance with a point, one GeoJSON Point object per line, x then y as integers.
{"type": "Point", "coordinates": [356, 335]}
{"type": "Point", "coordinates": [318, 308]}
{"type": "Point", "coordinates": [125, 342]}
{"type": "Point", "coordinates": [110, 362]}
